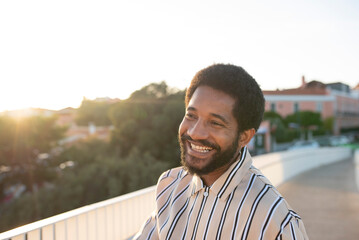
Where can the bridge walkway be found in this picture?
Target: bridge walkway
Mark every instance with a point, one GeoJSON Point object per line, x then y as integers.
{"type": "Point", "coordinates": [327, 199]}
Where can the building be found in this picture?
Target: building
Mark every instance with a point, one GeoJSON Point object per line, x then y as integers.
{"type": "Point", "coordinates": [335, 100]}
{"type": "Point", "coordinates": [66, 117]}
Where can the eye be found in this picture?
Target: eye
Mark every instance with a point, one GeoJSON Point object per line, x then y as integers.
{"type": "Point", "coordinates": [190, 116]}
{"type": "Point", "coordinates": [217, 124]}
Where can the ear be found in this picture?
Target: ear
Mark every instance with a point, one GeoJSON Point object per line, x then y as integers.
{"type": "Point", "coordinates": [245, 137]}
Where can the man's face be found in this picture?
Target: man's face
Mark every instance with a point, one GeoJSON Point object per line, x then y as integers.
{"type": "Point", "coordinates": [208, 134]}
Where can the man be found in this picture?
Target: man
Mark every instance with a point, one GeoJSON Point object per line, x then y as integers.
{"type": "Point", "coordinates": [217, 193]}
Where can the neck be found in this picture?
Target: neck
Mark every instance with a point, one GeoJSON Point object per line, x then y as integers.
{"type": "Point", "coordinates": [210, 178]}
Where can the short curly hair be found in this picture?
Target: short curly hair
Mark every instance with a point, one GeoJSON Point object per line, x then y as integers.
{"type": "Point", "coordinates": [236, 82]}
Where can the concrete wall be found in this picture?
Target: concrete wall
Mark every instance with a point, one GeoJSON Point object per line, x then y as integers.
{"type": "Point", "coordinates": [279, 167]}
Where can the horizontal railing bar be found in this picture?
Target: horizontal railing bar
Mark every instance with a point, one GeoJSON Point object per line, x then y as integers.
{"type": "Point", "coordinates": [60, 217]}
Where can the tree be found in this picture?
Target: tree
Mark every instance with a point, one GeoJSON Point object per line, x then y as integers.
{"type": "Point", "coordinates": [305, 121]}
{"type": "Point", "coordinates": [22, 142]}
{"type": "Point", "coordinates": [277, 126]}
{"type": "Point", "coordinates": [152, 91]}
{"type": "Point", "coordinates": [148, 121]}
{"type": "Point", "coordinates": [92, 111]}
{"type": "Point", "coordinates": [7, 138]}
{"type": "Point", "coordinates": [272, 116]}
{"type": "Point", "coordinates": [328, 124]}
{"type": "Point", "coordinates": [143, 145]}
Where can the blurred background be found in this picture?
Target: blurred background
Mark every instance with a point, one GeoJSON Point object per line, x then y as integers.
{"type": "Point", "coordinates": [91, 93]}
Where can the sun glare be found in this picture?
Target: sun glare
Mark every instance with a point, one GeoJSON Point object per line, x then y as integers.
{"type": "Point", "coordinates": [63, 97]}
{"type": "Point", "coordinates": [101, 50]}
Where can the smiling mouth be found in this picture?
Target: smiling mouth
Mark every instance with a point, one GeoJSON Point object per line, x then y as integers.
{"type": "Point", "coordinates": [200, 149]}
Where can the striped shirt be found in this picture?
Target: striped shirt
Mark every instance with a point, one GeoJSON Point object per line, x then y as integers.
{"type": "Point", "coordinates": [240, 204]}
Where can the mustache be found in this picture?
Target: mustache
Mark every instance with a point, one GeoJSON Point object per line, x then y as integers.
{"type": "Point", "coordinates": [203, 142]}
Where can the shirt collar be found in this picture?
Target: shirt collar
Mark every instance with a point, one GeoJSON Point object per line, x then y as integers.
{"type": "Point", "coordinates": [230, 179]}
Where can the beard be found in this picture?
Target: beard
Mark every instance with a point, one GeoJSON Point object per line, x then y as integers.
{"type": "Point", "coordinates": [218, 160]}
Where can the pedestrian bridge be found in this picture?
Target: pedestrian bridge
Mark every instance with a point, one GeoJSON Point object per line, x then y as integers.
{"type": "Point", "coordinates": [121, 217]}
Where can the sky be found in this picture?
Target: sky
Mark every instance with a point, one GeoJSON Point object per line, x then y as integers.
{"type": "Point", "coordinates": [55, 53]}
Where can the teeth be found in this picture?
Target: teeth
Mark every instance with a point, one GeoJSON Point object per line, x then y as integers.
{"type": "Point", "coordinates": [200, 148]}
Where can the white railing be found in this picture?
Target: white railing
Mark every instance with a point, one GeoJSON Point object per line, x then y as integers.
{"type": "Point", "coordinates": [116, 218]}
{"type": "Point", "coordinates": [356, 165]}
{"type": "Point", "coordinates": [121, 217]}
{"type": "Point", "coordinates": [280, 166]}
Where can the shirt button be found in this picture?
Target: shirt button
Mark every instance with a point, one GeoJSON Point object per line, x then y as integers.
{"type": "Point", "coordinates": [205, 194]}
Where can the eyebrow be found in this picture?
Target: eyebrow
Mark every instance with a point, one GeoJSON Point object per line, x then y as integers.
{"type": "Point", "coordinates": [220, 117]}
{"type": "Point", "coordinates": [213, 114]}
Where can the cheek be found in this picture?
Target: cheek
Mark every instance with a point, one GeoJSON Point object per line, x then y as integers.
{"type": "Point", "coordinates": [226, 140]}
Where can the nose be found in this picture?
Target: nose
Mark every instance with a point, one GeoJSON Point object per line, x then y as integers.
{"type": "Point", "coordinates": [198, 131]}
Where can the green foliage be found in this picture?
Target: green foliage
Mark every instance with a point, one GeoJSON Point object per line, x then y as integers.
{"type": "Point", "coordinates": [152, 91]}
{"type": "Point", "coordinates": [149, 124]}
{"type": "Point", "coordinates": [287, 135]}
{"type": "Point", "coordinates": [278, 128]}
{"type": "Point", "coordinates": [272, 116]}
{"type": "Point", "coordinates": [328, 124]}
{"type": "Point", "coordinates": [319, 132]}
{"type": "Point", "coordinates": [143, 145]}
{"type": "Point", "coordinates": [23, 140]}
{"type": "Point", "coordinates": [14, 214]}
{"type": "Point", "coordinates": [308, 121]}
{"type": "Point", "coordinates": [7, 138]}
{"type": "Point", "coordinates": [95, 112]}
{"type": "Point", "coordinates": [97, 174]}
{"type": "Point", "coordinates": [305, 119]}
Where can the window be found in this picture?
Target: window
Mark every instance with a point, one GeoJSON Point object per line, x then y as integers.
{"type": "Point", "coordinates": [319, 106]}
{"type": "Point", "coordinates": [296, 107]}
{"type": "Point", "coordinates": [272, 107]}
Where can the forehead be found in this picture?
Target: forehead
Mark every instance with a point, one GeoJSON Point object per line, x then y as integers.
{"type": "Point", "coordinates": [212, 101]}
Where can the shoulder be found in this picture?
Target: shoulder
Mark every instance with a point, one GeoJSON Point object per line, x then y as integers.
{"type": "Point", "coordinates": [261, 195]}
{"type": "Point", "coordinates": [272, 209]}
{"type": "Point", "coordinates": [262, 181]}
{"type": "Point", "coordinates": [172, 174]}
{"type": "Point", "coordinates": [171, 179]}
